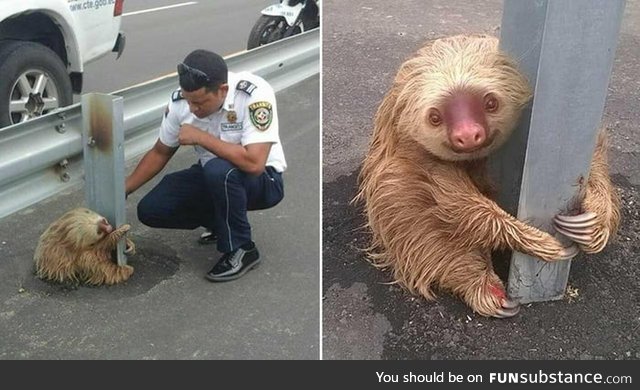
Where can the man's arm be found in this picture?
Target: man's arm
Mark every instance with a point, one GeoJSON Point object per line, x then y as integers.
{"type": "Point", "coordinates": [152, 163]}
{"type": "Point", "coordinates": [250, 158]}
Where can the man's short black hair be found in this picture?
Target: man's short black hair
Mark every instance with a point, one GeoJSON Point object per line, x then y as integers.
{"type": "Point", "coordinates": [198, 64]}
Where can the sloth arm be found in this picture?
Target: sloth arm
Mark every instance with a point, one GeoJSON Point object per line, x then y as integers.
{"type": "Point", "coordinates": [475, 221]}
{"type": "Point", "coordinates": [111, 241]}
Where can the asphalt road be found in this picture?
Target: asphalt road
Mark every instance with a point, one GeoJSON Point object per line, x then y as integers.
{"type": "Point", "coordinates": [167, 309]}
{"type": "Point", "coordinates": [364, 317]}
{"type": "Point", "coordinates": [158, 40]}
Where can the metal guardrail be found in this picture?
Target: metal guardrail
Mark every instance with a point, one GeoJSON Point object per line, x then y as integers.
{"type": "Point", "coordinates": [43, 157]}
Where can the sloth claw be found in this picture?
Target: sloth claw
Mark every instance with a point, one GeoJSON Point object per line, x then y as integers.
{"type": "Point", "coordinates": [509, 304]}
{"type": "Point", "coordinates": [569, 252]}
{"type": "Point", "coordinates": [507, 312]}
{"type": "Point", "coordinates": [508, 308]}
{"type": "Point", "coordinates": [130, 247]}
{"type": "Point", "coordinates": [580, 232]}
{"type": "Point", "coordinates": [577, 219]}
{"type": "Point", "coordinates": [584, 239]}
{"type": "Point", "coordinates": [578, 228]}
{"type": "Point", "coordinates": [575, 225]}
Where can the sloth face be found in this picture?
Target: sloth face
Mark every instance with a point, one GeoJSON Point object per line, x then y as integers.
{"type": "Point", "coordinates": [461, 97]}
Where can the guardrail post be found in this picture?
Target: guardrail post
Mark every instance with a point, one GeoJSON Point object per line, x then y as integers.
{"type": "Point", "coordinates": [566, 49]}
{"type": "Point", "coordinates": [103, 148]}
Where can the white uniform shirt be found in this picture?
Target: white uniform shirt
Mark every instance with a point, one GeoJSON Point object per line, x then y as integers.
{"type": "Point", "coordinates": [243, 119]}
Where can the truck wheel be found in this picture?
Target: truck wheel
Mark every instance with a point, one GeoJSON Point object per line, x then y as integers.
{"type": "Point", "coordinates": [34, 81]}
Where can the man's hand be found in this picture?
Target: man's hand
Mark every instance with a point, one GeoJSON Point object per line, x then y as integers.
{"type": "Point", "coordinates": [250, 159]}
{"type": "Point", "coordinates": [190, 135]}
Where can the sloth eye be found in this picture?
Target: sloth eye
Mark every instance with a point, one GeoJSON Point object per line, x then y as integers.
{"type": "Point", "coordinates": [435, 119]}
{"type": "Point", "coordinates": [490, 103]}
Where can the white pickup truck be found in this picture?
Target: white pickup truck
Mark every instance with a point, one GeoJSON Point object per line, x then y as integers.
{"type": "Point", "coordinates": [44, 45]}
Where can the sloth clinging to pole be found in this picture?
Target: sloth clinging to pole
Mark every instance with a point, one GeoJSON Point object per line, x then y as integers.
{"type": "Point", "coordinates": [425, 186]}
{"type": "Point", "coordinates": [77, 248]}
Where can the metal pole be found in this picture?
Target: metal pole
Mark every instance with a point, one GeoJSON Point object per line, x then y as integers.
{"type": "Point", "coordinates": [566, 48]}
{"type": "Point", "coordinates": [103, 148]}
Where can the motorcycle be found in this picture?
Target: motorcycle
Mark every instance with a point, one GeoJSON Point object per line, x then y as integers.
{"type": "Point", "coordinates": [282, 20]}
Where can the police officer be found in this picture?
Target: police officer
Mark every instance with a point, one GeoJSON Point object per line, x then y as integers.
{"type": "Point", "coordinates": [232, 122]}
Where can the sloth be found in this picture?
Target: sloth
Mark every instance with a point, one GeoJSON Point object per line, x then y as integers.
{"type": "Point", "coordinates": [78, 248]}
{"type": "Point", "coordinates": [425, 187]}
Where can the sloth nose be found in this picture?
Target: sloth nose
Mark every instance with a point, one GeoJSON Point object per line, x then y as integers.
{"type": "Point", "coordinates": [468, 136]}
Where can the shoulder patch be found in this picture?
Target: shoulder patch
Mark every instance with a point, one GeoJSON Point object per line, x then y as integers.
{"type": "Point", "coordinates": [261, 115]}
{"type": "Point", "coordinates": [246, 86]}
{"type": "Point", "coordinates": [176, 95]}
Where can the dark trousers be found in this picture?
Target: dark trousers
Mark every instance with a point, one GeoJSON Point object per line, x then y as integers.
{"type": "Point", "coordinates": [216, 196]}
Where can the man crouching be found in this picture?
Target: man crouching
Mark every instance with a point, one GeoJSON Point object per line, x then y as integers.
{"type": "Point", "coordinates": [232, 122]}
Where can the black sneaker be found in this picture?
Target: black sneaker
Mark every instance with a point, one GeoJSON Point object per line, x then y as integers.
{"type": "Point", "coordinates": [234, 264]}
{"type": "Point", "coordinates": [208, 237]}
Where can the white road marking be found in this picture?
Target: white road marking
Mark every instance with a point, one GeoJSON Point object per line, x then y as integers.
{"type": "Point", "coordinates": [144, 11]}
